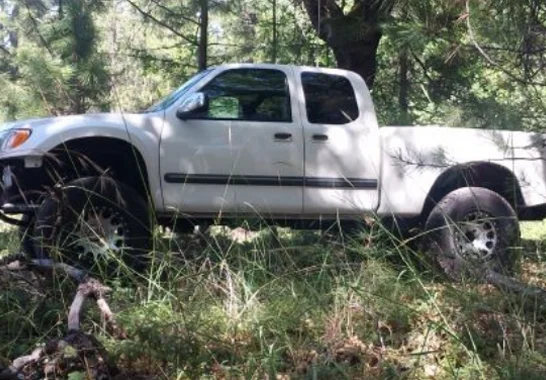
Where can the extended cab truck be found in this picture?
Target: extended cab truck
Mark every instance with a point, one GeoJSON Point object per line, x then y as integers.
{"type": "Point", "coordinates": [283, 143]}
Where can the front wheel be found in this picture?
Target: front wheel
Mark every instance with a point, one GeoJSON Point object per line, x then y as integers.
{"type": "Point", "coordinates": [95, 223]}
{"type": "Point", "coordinates": [473, 229]}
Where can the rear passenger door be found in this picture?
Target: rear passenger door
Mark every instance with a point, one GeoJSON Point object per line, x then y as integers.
{"type": "Point", "coordinates": [342, 152]}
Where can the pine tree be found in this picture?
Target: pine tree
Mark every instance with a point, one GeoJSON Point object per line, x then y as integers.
{"type": "Point", "coordinates": [59, 69]}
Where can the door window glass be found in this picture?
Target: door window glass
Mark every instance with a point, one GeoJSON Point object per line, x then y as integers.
{"type": "Point", "coordinates": [329, 99]}
{"type": "Point", "coordinates": [249, 94]}
{"type": "Point", "coordinates": [223, 107]}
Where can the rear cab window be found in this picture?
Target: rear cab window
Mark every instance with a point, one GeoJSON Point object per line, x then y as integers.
{"type": "Point", "coordinates": [329, 99]}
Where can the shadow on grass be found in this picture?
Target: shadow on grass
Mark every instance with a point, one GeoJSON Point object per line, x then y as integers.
{"type": "Point", "coordinates": [31, 311]}
{"type": "Point", "coordinates": [300, 304]}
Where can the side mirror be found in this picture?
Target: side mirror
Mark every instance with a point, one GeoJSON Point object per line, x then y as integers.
{"type": "Point", "coordinates": [195, 103]}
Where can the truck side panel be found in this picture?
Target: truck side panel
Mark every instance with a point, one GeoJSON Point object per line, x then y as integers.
{"type": "Point", "coordinates": [415, 157]}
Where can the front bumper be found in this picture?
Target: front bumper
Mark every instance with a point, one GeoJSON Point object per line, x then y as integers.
{"type": "Point", "coordinates": [21, 189]}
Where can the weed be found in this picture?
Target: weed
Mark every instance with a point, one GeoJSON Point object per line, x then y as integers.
{"type": "Point", "coordinates": [279, 303]}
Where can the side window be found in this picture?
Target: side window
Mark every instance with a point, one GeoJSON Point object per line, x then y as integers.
{"type": "Point", "coordinates": [249, 94]}
{"type": "Point", "coordinates": [329, 99]}
{"type": "Point", "coordinates": [223, 107]}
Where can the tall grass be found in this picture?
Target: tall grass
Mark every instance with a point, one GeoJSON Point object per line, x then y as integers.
{"type": "Point", "coordinates": [278, 303]}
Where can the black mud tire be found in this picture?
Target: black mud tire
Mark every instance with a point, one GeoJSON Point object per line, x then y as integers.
{"type": "Point", "coordinates": [443, 224]}
{"type": "Point", "coordinates": [62, 213]}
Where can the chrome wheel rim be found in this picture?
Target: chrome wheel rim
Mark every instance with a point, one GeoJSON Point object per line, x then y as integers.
{"type": "Point", "coordinates": [100, 232]}
{"type": "Point", "coordinates": [476, 237]}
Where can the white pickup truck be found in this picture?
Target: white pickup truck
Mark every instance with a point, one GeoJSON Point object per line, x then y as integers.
{"type": "Point", "coordinates": [296, 146]}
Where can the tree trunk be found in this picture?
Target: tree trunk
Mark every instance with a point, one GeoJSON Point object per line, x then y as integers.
{"type": "Point", "coordinates": [353, 36]}
{"type": "Point", "coordinates": [275, 38]}
{"type": "Point", "coordinates": [13, 37]}
{"type": "Point", "coordinates": [360, 57]}
{"type": "Point", "coordinates": [203, 36]}
{"type": "Point", "coordinates": [403, 93]}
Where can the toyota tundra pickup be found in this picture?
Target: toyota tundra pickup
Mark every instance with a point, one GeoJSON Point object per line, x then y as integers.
{"type": "Point", "coordinates": [297, 146]}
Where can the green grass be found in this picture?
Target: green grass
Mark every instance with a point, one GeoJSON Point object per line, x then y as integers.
{"type": "Point", "coordinates": [285, 304]}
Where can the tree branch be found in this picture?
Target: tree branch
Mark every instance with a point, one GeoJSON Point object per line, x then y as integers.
{"type": "Point", "coordinates": [175, 14]}
{"type": "Point", "coordinates": [319, 10]}
{"type": "Point", "coordinates": [488, 58]}
{"type": "Point", "coordinates": [87, 347]}
{"type": "Point", "coordinates": [2, 48]}
{"type": "Point", "coordinates": [161, 23]}
{"type": "Point", "coordinates": [36, 27]}
{"type": "Point", "coordinates": [421, 64]}
{"type": "Point", "coordinates": [507, 49]}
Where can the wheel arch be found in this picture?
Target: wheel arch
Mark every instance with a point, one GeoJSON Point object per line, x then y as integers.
{"type": "Point", "coordinates": [122, 160]}
{"type": "Point", "coordinates": [489, 175]}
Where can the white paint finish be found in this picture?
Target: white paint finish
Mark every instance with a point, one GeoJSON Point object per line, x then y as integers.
{"type": "Point", "coordinates": [531, 176]}
{"type": "Point", "coordinates": [351, 151]}
{"type": "Point", "coordinates": [141, 130]}
{"type": "Point", "coordinates": [196, 147]}
{"type": "Point", "coordinates": [414, 157]}
{"type": "Point", "coordinates": [256, 153]}
{"type": "Point", "coordinates": [233, 148]}
{"type": "Point", "coordinates": [407, 160]}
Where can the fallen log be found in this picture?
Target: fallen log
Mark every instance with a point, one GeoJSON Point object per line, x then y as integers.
{"type": "Point", "coordinates": [508, 284]}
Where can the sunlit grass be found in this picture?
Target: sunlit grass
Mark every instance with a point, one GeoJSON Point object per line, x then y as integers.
{"type": "Point", "coordinates": [9, 239]}
{"type": "Point", "coordinates": [533, 230]}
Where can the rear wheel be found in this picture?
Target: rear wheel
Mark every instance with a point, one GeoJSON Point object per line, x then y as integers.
{"type": "Point", "coordinates": [95, 223]}
{"type": "Point", "coordinates": [473, 229]}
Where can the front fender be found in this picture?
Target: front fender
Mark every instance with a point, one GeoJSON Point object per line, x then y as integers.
{"type": "Point", "coordinates": [142, 131]}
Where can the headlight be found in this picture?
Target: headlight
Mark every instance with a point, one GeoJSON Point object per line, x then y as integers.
{"type": "Point", "coordinates": [15, 138]}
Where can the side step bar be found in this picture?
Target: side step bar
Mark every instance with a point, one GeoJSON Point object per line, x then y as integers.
{"type": "Point", "coordinates": [10, 208]}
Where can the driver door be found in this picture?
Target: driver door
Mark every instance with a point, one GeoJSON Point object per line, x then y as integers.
{"type": "Point", "coordinates": [243, 153]}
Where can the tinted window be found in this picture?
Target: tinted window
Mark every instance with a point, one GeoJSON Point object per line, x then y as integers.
{"type": "Point", "coordinates": [329, 99]}
{"type": "Point", "coordinates": [177, 94]}
{"type": "Point", "coordinates": [249, 94]}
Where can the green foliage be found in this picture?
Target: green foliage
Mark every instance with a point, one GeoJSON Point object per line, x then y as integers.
{"type": "Point", "coordinates": [284, 302]}
{"type": "Point", "coordinates": [76, 376]}
{"type": "Point", "coordinates": [450, 81]}
{"type": "Point", "coordinates": [277, 302]}
{"type": "Point", "coordinates": [479, 67]}
{"type": "Point", "coordinates": [54, 66]}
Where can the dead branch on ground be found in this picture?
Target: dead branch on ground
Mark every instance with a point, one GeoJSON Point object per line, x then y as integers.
{"type": "Point", "coordinates": [77, 351]}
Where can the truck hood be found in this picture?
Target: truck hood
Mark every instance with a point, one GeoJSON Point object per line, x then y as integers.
{"type": "Point", "coordinates": [76, 120]}
{"type": "Point", "coordinates": [440, 146]}
{"type": "Point", "coordinates": [142, 130]}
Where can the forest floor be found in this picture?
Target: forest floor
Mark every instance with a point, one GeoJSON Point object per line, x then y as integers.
{"type": "Point", "coordinates": [284, 304]}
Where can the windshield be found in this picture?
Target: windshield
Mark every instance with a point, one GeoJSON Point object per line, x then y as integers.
{"type": "Point", "coordinates": [175, 95]}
